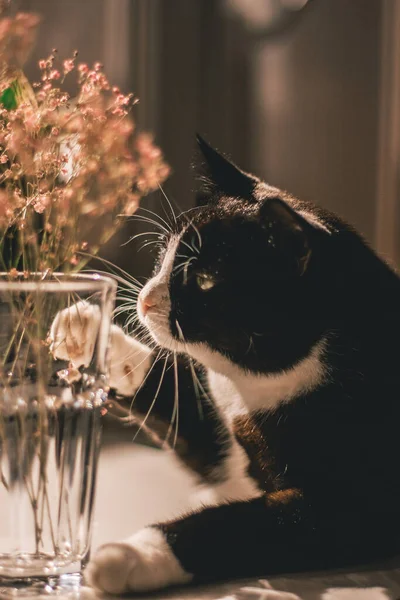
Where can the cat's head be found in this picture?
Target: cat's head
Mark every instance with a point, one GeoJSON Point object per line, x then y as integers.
{"type": "Point", "coordinates": [236, 283]}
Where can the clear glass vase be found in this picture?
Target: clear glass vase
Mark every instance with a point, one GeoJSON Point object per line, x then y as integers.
{"type": "Point", "coordinates": [52, 395]}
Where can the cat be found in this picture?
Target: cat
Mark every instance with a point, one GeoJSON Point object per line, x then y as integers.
{"type": "Point", "coordinates": [285, 326]}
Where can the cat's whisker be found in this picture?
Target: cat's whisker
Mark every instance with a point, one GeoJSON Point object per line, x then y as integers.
{"type": "Point", "coordinates": [175, 412]}
{"type": "Point", "coordinates": [122, 311]}
{"type": "Point", "coordinates": [251, 345]}
{"type": "Point", "coordinates": [129, 290]}
{"type": "Point", "coordinates": [191, 224]}
{"type": "Point", "coordinates": [151, 212]}
{"type": "Point", "coordinates": [129, 300]}
{"type": "Point", "coordinates": [134, 351]}
{"type": "Point", "coordinates": [143, 423]}
{"type": "Point", "coordinates": [141, 234]}
{"type": "Point", "coordinates": [185, 264]}
{"type": "Point", "coordinates": [145, 219]}
{"type": "Point", "coordinates": [173, 223]}
{"type": "Point", "coordinates": [156, 243]}
{"type": "Point", "coordinates": [169, 204]}
{"type": "Point", "coordinates": [196, 383]}
{"type": "Point", "coordinates": [145, 336]}
{"type": "Point", "coordinates": [198, 237]}
{"type": "Point", "coordinates": [178, 255]}
{"type": "Point", "coordinates": [157, 358]}
{"type": "Point", "coordinates": [185, 272]}
{"type": "Point", "coordinates": [188, 246]}
{"type": "Point", "coordinates": [128, 296]}
{"type": "Point", "coordinates": [124, 278]}
{"type": "Point", "coordinates": [133, 369]}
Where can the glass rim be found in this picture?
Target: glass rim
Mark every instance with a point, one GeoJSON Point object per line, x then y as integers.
{"type": "Point", "coordinates": [57, 282]}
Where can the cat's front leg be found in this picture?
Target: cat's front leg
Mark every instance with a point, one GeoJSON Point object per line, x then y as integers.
{"type": "Point", "coordinates": [73, 337]}
{"type": "Point", "coordinates": [233, 540]}
{"type": "Point", "coordinates": [143, 562]}
{"type": "Point", "coordinates": [276, 533]}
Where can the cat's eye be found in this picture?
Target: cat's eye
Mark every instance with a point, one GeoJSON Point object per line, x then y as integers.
{"type": "Point", "coordinates": [205, 281]}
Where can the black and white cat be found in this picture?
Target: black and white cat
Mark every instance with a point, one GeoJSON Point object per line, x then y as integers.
{"type": "Point", "coordinates": [287, 327]}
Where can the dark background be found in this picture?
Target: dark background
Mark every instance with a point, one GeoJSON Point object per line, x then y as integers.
{"type": "Point", "coordinates": [305, 94]}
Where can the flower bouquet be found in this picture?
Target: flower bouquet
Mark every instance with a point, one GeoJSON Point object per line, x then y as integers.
{"type": "Point", "coordinates": [70, 168]}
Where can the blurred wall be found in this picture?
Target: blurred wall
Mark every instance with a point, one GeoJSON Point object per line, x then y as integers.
{"type": "Point", "coordinates": [316, 108]}
{"type": "Point", "coordinates": [188, 64]}
{"type": "Point", "coordinates": [302, 108]}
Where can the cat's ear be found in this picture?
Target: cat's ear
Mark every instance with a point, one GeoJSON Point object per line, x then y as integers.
{"type": "Point", "coordinates": [219, 176]}
{"type": "Point", "coordinates": [288, 231]}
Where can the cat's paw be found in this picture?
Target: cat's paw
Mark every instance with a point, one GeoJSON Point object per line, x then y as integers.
{"type": "Point", "coordinates": [143, 562]}
{"type": "Point", "coordinates": [129, 362]}
{"type": "Point", "coordinates": [74, 332]}
{"type": "Point", "coordinates": [73, 336]}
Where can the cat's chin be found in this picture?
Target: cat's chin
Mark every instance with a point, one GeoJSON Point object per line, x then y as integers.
{"type": "Point", "coordinates": [160, 332]}
{"type": "Point", "coordinates": [199, 351]}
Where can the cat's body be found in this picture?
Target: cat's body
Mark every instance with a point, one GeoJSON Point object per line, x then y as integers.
{"type": "Point", "coordinates": [289, 413]}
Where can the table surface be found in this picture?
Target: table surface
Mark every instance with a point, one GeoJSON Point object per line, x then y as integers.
{"type": "Point", "coordinates": [138, 485]}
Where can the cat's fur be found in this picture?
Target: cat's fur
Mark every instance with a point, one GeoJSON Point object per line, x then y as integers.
{"type": "Point", "coordinates": [291, 422]}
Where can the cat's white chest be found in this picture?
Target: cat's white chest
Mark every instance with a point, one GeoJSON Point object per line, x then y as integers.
{"type": "Point", "coordinates": [226, 396]}
{"type": "Point", "coordinates": [243, 392]}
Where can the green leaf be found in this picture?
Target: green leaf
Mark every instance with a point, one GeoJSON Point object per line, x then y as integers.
{"type": "Point", "coordinates": [8, 99]}
{"type": "Point", "coordinates": [19, 91]}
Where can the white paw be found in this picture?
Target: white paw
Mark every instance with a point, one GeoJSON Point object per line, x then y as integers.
{"type": "Point", "coordinates": [143, 562]}
{"type": "Point", "coordinates": [129, 362]}
{"type": "Point", "coordinates": [74, 332]}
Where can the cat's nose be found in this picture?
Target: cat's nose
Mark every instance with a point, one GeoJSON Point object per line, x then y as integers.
{"type": "Point", "coordinates": [146, 302]}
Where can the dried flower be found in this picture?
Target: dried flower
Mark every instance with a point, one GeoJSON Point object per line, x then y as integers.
{"type": "Point", "coordinates": [65, 159]}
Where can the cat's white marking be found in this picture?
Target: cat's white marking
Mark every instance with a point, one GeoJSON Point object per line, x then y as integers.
{"type": "Point", "coordinates": [256, 391]}
{"type": "Point", "coordinates": [156, 320]}
{"type": "Point", "coordinates": [144, 561]}
{"type": "Point", "coordinates": [259, 392]}
{"type": "Point", "coordinates": [226, 396]}
{"type": "Point", "coordinates": [237, 484]}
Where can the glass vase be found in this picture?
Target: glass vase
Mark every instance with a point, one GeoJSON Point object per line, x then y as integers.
{"type": "Point", "coordinates": [54, 336]}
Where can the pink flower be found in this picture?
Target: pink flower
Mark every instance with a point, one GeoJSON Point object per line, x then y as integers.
{"type": "Point", "coordinates": [68, 65]}
{"type": "Point", "coordinates": [54, 74]}
{"type": "Point", "coordinates": [41, 203]}
{"type": "Point", "coordinates": [75, 160]}
{"type": "Point", "coordinates": [83, 68]}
